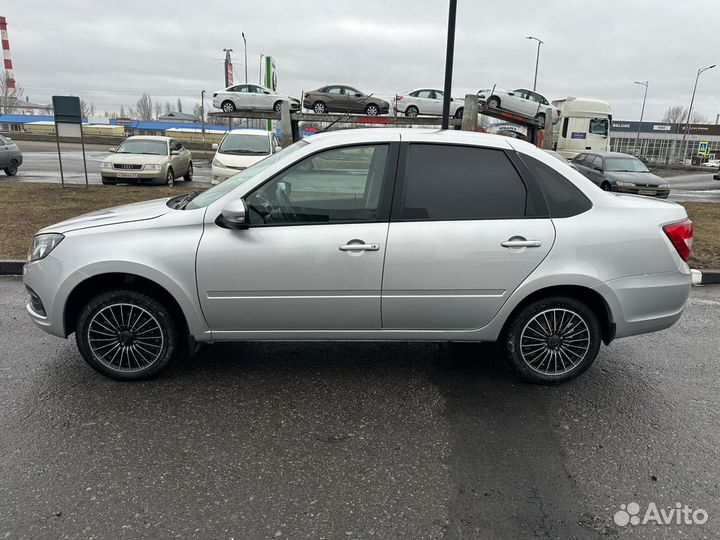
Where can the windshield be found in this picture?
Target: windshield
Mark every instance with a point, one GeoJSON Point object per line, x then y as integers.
{"type": "Point", "coordinates": [143, 146]}
{"type": "Point", "coordinates": [599, 126]}
{"type": "Point", "coordinates": [628, 164]}
{"type": "Point", "coordinates": [244, 144]}
{"type": "Point", "coordinates": [213, 194]}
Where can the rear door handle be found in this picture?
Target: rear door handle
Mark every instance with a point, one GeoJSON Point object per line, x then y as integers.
{"type": "Point", "coordinates": [360, 247]}
{"type": "Point", "coordinates": [521, 243]}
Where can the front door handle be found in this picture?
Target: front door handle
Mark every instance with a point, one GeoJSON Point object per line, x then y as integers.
{"type": "Point", "coordinates": [520, 243]}
{"type": "Point", "coordinates": [360, 247]}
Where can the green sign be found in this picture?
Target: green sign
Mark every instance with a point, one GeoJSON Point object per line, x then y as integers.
{"type": "Point", "coordinates": [704, 149]}
{"type": "Point", "coordinates": [270, 80]}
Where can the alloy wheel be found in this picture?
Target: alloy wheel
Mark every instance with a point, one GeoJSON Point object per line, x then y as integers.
{"type": "Point", "coordinates": [125, 337]}
{"type": "Point", "coordinates": [372, 110]}
{"type": "Point", "coordinates": [554, 341]}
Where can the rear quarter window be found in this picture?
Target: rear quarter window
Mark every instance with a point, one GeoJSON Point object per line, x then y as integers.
{"type": "Point", "coordinates": [564, 199]}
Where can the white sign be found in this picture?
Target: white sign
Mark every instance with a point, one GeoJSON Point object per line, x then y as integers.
{"type": "Point", "coordinates": [661, 127]}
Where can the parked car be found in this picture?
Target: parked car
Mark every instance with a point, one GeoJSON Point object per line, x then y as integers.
{"type": "Point", "coordinates": [560, 157]}
{"type": "Point", "coordinates": [714, 163]}
{"type": "Point", "coordinates": [474, 237]}
{"type": "Point", "coordinates": [520, 101]}
{"type": "Point", "coordinates": [239, 149]}
{"type": "Point", "coordinates": [613, 171]}
{"type": "Point", "coordinates": [252, 97]}
{"type": "Point", "coordinates": [427, 102]}
{"type": "Point", "coordinates": [10, 156]}
{"type": "Point", "coordinates": [147, 160]}
{"type": "Point", "coordinates": [344, 99]}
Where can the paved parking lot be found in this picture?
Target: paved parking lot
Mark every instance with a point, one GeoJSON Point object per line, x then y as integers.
{"type": "Point", "coordinates": [357, 440]}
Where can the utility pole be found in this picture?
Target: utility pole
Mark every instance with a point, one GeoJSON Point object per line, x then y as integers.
{"type": "Point", "coordinates": [202, 117]}
{"type": "Point", "coordinates": [260, 70]}
{"type": "Point", "coordinates": [449, 54]}
{"type": "Point", "coordinates": [537, 59]}
{"type": "Point", "coordinates": [642, 112]}
{"type": "Point", "coordinates": [245, 43]}
{"type": "Point", "coordinates": [683, 145]}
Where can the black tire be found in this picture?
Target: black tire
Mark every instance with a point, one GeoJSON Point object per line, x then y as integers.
{"type": "Point", "coordinates": [459, 112]}
{"type": "Point", "coordinates": [108, 182]}
{"type": "Point", "coordinates": [12, 168]}
{"type": "Point", "coordinates": [372, 110]}
{"type": "Point", "coordinates": [540, 117]}
{"type": "Point", "coordinates": [412, 111]}
{"type": "Point", "coordinates": [278, 107]}
{"type": "Point", "coordinates": [493, 102]}
{"type": "Point", "coordinates": [161, 344]}
{"type": "Point", "coordinates": [565, 349]}
{"type": "Point", "coordinates": [605, 186]}
{"type": "Point", "coordinates": [319, 107]}
{"type": "Point", "coordinates": [189, 174]}
{"type": "Point", "coordinates": [170, 177]}
{"type": "Point", "coordinates": [228, 106]}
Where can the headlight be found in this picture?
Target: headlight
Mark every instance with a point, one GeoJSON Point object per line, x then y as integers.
{"type": "Point", "coordinates": [106, 165]}
{"type": "Point", "coordinates": [664, 186]}
{"type": "Point", "coordinates": [217, 163]}
{"type": "Point", "coordinates": [624, 184]}
{"type": "Point", "coordinates": [42, 245]}
{"type": "Point", "coordinates": [153, 167]}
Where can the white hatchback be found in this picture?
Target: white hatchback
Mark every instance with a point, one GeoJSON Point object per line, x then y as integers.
{"type": "Point", "coordinates": [239, 149]}
{"type": "Point", "coordinates": [426, 101]}
{"type": "Point", "coordinates": [251, 97]}
{"type": "Point", "coordinates": [520, 101]}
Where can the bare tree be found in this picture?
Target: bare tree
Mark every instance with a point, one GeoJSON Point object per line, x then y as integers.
{"type": "Point", "coordinates": [168, 107]}
{"type": "Point", "coordinates": [179, 105]}
{"type": "Point", "coordinates": [122, 111]}
{"type": "Point", "coordinates": [145, 107]}
{"type": "Point", "coordinates": [131, 112]}
{"type": "Point", "coordinates": [677, 114]}
{"type": "Point", "coordinates": [87, 108]}
{"type": "Point", "coordinates": [158, 109]}
{"type": "Point", "coordinates": [198, 111]}
{"type": "Point", "coordinates": [9, 97]}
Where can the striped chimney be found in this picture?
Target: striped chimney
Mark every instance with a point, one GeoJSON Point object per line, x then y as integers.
{"type": "Point", "coordinates": [10, 76]}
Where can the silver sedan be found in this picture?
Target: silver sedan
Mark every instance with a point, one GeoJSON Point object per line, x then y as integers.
{"type": "Point", "coordinates": [370, 234]}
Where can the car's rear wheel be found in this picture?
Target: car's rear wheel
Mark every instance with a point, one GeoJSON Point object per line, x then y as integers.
{"type": "Point", "coordinates": [459, 113]}
{"type": "Point", "coordinates": [12, 168]}
{"type": "Point", "coordinates": [278, 106]}
{"type": "Point", "coordinates": [170, 177]}
{"type": "Point", "coordinates": [412, 111]}
{"type": "Point", "coordinates": [127, 335]}
{"type": "Point", "coordinates": [189, 174]}
{"type": "Point", "coordinates": [540, 117]}
{"type": "Point", "coordinates": [493, 102]}
{"type": "Point", "coordinates": [319, 107]}
{"type": "Point", "coordinates": [228, 106]}
{"type": "Point", "coordinates": [372, 110]}
{"type": "Point", "coordinates": [552, 340]}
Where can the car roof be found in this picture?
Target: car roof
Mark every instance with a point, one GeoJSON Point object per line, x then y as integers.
{"type": "Point", "coordinates": [245, 131]}
{"type": "Point", "coordinates": [370, 135]}
{"type": "Point", "coordinates": [149, 138]}
{"type": "Point", "coordinates": [608, 154]}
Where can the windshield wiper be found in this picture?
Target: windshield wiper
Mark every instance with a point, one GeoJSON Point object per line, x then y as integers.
{"type": "Point", "coordinates": [185, 199]}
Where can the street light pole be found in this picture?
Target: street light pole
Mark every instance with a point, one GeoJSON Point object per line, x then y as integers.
{"type": "Point", "coordinates": [260, 73]}
{"type": "Point", "coordinates": [537, 59]}
{"type": "Point", "coordinates": [642, 112]}
{"type": "Point", "coordinates": [245, 43]}
{"type": "Point", "coordinates": [449, 54]}
{"type": "Point", "coordinates": [228, 63]}
{"type": "Point", "coordinates": [683, 145]}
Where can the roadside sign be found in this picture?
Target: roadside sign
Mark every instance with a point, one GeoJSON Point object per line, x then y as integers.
{"type": "Point", "coordinates": [704, 148]}
{"type": "Point", "coordinates": [68, 123]}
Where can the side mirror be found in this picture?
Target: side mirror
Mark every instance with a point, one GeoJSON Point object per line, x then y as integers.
{"type": "Point", "coordinates": [175, 152]}
{"type": "Point", "coordinates": [214, 146]}
{"type": "Point", "coordinates": [112, 149]}
{"type": "Point", "coordinates": [234, 215]}
{"type": "Point", "coordinates": [511, 93]}
{"type": "Point", "coordinates": [277, 149]}
{"type": "Point", "coordinates": [598, 169]}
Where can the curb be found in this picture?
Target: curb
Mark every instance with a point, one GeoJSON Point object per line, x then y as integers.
{"type": "Point", "coordinates": [10, 267]}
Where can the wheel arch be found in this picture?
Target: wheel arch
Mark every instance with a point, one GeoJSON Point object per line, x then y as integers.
{"type": "Point", "coordinates": [588, 296]}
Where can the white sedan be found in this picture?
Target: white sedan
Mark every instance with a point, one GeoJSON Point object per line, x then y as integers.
{"type": "Point", "coordinates": [426, 101]}
{"type": "Point", "coordinates": [520, 101]}
{"type": "Point", "coordinates": [251, 97]}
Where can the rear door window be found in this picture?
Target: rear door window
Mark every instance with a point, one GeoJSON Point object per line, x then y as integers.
{"type": "Point", "coordinates": [564, 199]}
{"type": "Point", "coordinates": [447, 182]}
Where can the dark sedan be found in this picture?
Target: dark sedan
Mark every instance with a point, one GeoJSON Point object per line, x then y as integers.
{"type": "Point", "coordinates": [613, 171]}
{"type": "Point", "coordinates": [10, 156]}
{"type": "Point", "coordinates": [344, 99]}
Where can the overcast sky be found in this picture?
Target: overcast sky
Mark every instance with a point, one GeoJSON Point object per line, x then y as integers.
{"type": "Point", "coordinates": [111, 52]}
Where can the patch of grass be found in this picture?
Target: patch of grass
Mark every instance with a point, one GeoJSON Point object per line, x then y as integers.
{"type": "Point", "coordinates": [706, 244]}
{"type": "Point", "coordinates": [27, 207]}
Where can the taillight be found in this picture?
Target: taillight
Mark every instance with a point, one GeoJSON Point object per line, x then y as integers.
{"type": "Point", "coordinates": [399, 98]}
{"type": "Point", "coordinates": [681, 236]}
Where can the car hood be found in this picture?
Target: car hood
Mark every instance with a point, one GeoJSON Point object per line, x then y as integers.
{"type": "Point", "coordinates": [135, 159]}
{"type": "Point", "coordinates": [648, 179]}
{"type": "Point", "coordinates": [111, 216]}
{"type": "Point", "coordinates": [237, 160]}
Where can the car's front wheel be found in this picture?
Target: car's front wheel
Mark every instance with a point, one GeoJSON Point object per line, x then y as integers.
{"type": "Point", "coordinates": [493, 102]}
{"type": "Point", "coordinates": [552, 340]}
{"type": "Point", "coordinates": [127, 335]}
{"type": "Point", "coordinates": [189, 174]}
{"type": "Point", "coordinates": [459, 112]}
{"type": "Point", "coordinates": [372, 110]}
{"type": "Point", "coordinates": [170, 177]}
{"type": "Point", "coordinates": [12, 168]}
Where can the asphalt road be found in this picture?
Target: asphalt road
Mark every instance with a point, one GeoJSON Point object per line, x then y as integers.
{"type": "Point", "coordinates": [330, 440]}
{"type": "Point", "coordinates": [694, 187]}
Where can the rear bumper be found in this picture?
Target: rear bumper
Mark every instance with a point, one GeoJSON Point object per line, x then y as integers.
{"type": "Point", "coordinates": [646, 303]}
{"type": "Point", "coordinates": [647, 191]}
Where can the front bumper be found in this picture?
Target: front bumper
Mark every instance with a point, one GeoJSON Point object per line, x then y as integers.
{"type": "Point", "coordinates": [648, 191]}
{"type": "Point", "coordinates": [137, 176]}
{"type": "Point", "coordinates": [220, 174]}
